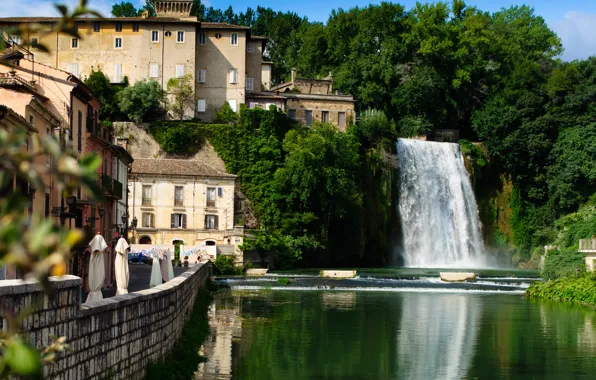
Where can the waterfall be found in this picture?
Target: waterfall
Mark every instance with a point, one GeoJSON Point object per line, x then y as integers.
{"type": "Point", "coordinates": [437, 208]}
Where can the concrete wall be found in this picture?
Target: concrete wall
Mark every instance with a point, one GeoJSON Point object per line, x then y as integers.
{"type": "Point", "coordinates": [253, 64]}
{"type": "Point", "coordinates": [119, 335]}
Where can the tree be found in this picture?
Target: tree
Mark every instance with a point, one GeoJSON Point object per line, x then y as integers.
{"type": "Point", "coordinates": [124, 9]}
{"type": "Point", "coordinates": [142, 101]}
{"type": "Point", "coordinates": [182, 92]}
{"type": "Point", "coordinates": [225, 115]}
{"type": "Point", "coordinates": [100, 85]}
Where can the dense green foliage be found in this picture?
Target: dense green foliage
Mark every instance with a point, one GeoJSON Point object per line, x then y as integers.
{"type": "Point", "coordinates": [142, 101]}
{"type": "Point", "coordinates": [99, 83]}
{"type": "Point", "coordinates": [581, 289]}
{"type": "Point", "coordinates": [182, 97]}
{"type": "Point", "coordinates": [124, 9]}
{"type": "Point", "coordinates": [225, 264]}
{"type": "Point", "coordinates": [225, 115]}
{"type": "Point", "coordinates": [305, 185]}
{"type": "Point", "coordinates": [183, 361]}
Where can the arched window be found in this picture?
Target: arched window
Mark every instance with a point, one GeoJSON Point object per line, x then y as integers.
{"type": "Point", "coordinates": [145, 240]}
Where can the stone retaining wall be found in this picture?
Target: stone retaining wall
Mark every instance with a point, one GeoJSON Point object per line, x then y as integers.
{"type": "Point", "coordinates": [113, 338]}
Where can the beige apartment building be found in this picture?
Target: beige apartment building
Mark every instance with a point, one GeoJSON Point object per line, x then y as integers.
{"type": "Point", "coordinates": [224, 61]}
{"type": "Point", "coordinates": [184, 201]}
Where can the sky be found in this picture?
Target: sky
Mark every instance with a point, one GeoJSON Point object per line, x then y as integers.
{"type": "Point", "coordinates": [573, 20]}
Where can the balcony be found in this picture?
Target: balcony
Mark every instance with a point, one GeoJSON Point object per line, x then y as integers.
{"type": "Point", "coordinates": [178, 203]}
{"type": "Point", "coordinates": [210, 203]}
{"type": "Point", "coordinates": [106, 183]}
{"type": "Point", "coordinates": [89, 125]}
{"type": "Point", "coordinates": [146, 202]}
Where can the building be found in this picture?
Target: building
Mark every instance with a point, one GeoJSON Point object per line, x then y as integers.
{"type": "Point", "coordinates": [308, 100]}
{"type": "Point", "coordinates": [120, 168]}
{"type": "Point", "coordinates": [223, 60]}
{"type": "Point", "coordinates": [58, 105]}
{"type": "Point", "coordinates": [182, 201]}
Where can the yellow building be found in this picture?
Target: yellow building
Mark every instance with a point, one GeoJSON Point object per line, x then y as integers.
{"type": "Point", "coordinates": [225, 61]}
{"type": "Point", "coordinates": [184, 201]}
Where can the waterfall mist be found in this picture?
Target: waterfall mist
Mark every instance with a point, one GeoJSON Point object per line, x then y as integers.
{"type": "Point", "coordinates": [437, 207]}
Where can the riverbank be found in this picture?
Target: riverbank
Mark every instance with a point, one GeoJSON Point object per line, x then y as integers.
{"type": "Point", "coordinates": [184, 358]}
{"type": "Point", "coordinates": [580, 290]}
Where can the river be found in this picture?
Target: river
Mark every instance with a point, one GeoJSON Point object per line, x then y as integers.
{"type": "Point", "coordinates": [399, 333]}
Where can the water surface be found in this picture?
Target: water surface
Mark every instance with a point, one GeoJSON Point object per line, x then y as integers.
{"type": "Point", "coordinates": [313, 334]}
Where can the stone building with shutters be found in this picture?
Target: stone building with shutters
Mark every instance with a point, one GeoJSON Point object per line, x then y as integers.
{"type": "Point", "coordinates": [183, 201]}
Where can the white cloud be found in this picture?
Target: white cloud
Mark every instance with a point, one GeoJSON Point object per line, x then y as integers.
{"type": "Point", "coordinates": [576, 31]}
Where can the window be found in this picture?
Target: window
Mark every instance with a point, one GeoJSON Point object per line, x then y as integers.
{"type": "Point", "coordinates": [117, 73]}
{"type": "Point", "coordinates": [211, 222]}
{"type": "Point", "coordinates": [153, 70]}
{"type": "Point", "coordinates": [80, 131]}
{"type": "Point", "coordinates": [232, 104]}
{"type": "Point", "coordinates": [118, 26]}
{"type": "Point", "coordinates": [219, 192]}
{"type": "Point", "coordinates": [178, 196]}
{"type": "Point", "coordinates": [47, 204]}
{"type": "Point", "coordinates": [249, 48]}
{"type": "Point", "coordinates": [135, 27]}
{"type": "Point", "coordinates": [233, 76]}
{"type": "Point", "coordinates": [179, 71]}
{"type": "Point", "coordinates": [15, 39]}
{"type": "Point", "coordinates": [73, 68]}
{"type": "Point", "coordinates": [218, 35]}
{"type": "Point", "coordinates": [154, 36]}
{"type": "Point", "coordinates": [211, 197]}
{"type": "Point", "coordinates": [201, 105]}
{"type": "Point", "coordinates": [202, 76]}
{"type": "Point", "coordinates": [96, 27]}
{"type": "Point", "coordinates": [146, 195]}
{"type": "Point", "coordinates": [234, 39]}
{"type": "Point", "coordinates": [148, 220]}
{"type": "Point", "coordinates": [32, 120]}
{"type": "Point", "coordinates": [325, 116]}
{"type": "Point", "coordinates": [341, 120]}
{"type": "Point", "coordinates": [34, 42]}
{"type": "Point", "coordinates": [168, 34]}
{"type": "Point", "coordinates": [118, 43]}
{"type": "Point", "coordinates": [308, 117]}
{"type": "Point", "coordinates": [202, 39]}
{"type": "Point", "coordinates": [178, 220]}
{"type": "Point", "coordinates": [291, 113]}
{"type": "Point", "coordinates": [74, 43]}
{"type": "Point", "coordinates": [180, 37]}
{"type": "Point", "coordinates": [249, 84]}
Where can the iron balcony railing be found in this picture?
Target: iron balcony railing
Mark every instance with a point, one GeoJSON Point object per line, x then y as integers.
{"type": "Point", "coordinates": [146, 202]}
{"type": "Point", "coordinates": [118, 189]}
{"type": "Point", "coordinates": [106, 183]}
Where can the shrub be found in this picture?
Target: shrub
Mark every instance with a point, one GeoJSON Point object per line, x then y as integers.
{"type": "Point", "coordinates": [179, 138]}
{"type": "Point", "coordinates": [225, 264]}
{"type": "Point", "coordinates": [142, 101]}
{"type": "Point", "coordinates": [283, 281]}
{"type": "Point", "coordinates": [569, 289]}
{"type": "Point", "coordinates": [225, 115]}
{"type": "Point", "coordinates": [568, 263]}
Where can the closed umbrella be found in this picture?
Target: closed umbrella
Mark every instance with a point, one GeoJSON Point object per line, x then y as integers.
{"type": "Point", "coordinates": [96, 268]}
{"type": "Point", "coordinates": [170, 267]}
{"type": "Point", "coordinates": [163, 266]}
{"type": "Point", "coordinates": [121, 266]}
{"type": "Point", "coordinates": [155, 278]}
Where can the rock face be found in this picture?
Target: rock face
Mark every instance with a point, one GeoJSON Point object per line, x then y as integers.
{"type": "Point", "coordinates": [338, 273]}
{"type": "Point", "coordinates": [256, 272]}
{"type": "Point", "coordinates": [457, 276]}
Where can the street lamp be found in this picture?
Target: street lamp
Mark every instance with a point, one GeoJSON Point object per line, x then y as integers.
{"type": "Point", "coordinates": [102, 212]}
{"type": "Point", "coordinates": [124, 219]}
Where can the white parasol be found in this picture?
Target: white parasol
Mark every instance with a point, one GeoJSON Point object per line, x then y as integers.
{"type": "Point", "coordinates": [96, 268]}
{"type": "Point", "coordinates": [170, 267]}
{"type": "Point", "coordinates": [121, 267]}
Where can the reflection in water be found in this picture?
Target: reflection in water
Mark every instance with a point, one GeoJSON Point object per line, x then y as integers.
{"type": "Point", "coordinates": [225, 325]}
{"type": "Point", "coordinates": [437, 335]}
{"type": "Point", "coordinates": [338, 300]}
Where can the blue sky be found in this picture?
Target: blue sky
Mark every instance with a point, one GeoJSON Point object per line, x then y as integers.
{"type": "Point", "coordinates": [573, 20]}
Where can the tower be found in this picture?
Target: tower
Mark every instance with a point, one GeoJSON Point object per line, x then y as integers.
{"type": "Point", "coordinates": [173, 8]}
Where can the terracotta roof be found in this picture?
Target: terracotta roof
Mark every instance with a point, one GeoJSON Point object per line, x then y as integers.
{"type": "Point", "coordinates": [222, 25]}
{"type": "Point", "coordinates": [192, 168]}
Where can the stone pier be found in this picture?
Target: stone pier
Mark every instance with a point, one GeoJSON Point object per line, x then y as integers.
{"type": "Point", "coordinates": [117, 336]}
{"type": "Point", "coordinates": [588, 248]}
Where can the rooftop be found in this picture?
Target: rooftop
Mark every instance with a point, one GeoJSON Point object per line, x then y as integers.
{"type": "Point", "coordinates": [166, 166]}
{"type": "Point", "coordinates": [205, 25]}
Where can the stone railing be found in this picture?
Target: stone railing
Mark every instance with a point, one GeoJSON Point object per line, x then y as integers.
{"type": "Point", "coordinates": [117, 336]}
{"type": "Point", "coordinates": [587, 244]}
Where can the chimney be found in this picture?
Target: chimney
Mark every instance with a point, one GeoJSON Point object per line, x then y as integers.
{"type": "Point", "coordinates": [293, 74]}
{"type": "Point", "coordinates": [123, 142]}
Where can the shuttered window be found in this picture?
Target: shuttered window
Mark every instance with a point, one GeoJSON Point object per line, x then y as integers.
{"type": "Point", "coordinates": [211, 222]}
{"type": "Point", "coordinates": [201, 105]}
{"type": "Point", "coordinates": [249, 48]}
{"type": "Point", "coordinates": [234, 39]}
{"type": "Point", "coordinates": [153, 70]}
{"type": "Point", "coordinates": [308, 117]}
{"type": "Point", "coordinates": [211, 197]}
{"type": "Point", "coordinates": [118, 43]}
{"type": "Point", "coordinates": [233, 76]}
{"type": "Point", "coordinates": [117, 73]}
{"type": "Point", "coordinates": [146, 195]}
{"type": "Point", "coordinates": [73, 68]}
{"type": "Point", "coordinates": [178, 221]}
{"type": "Point", "coordinates": [148, 220]}
{"type": "Point", "coordinates": [202, 76]}
{"type": "Point", "coordinates": [249, 84]}
{"type": "Point", "coordinates": [202, 39]}
{"type": "Point", "coordinates": [154, 36]}
{"type": "Point", "coordinates": [179, 71]}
